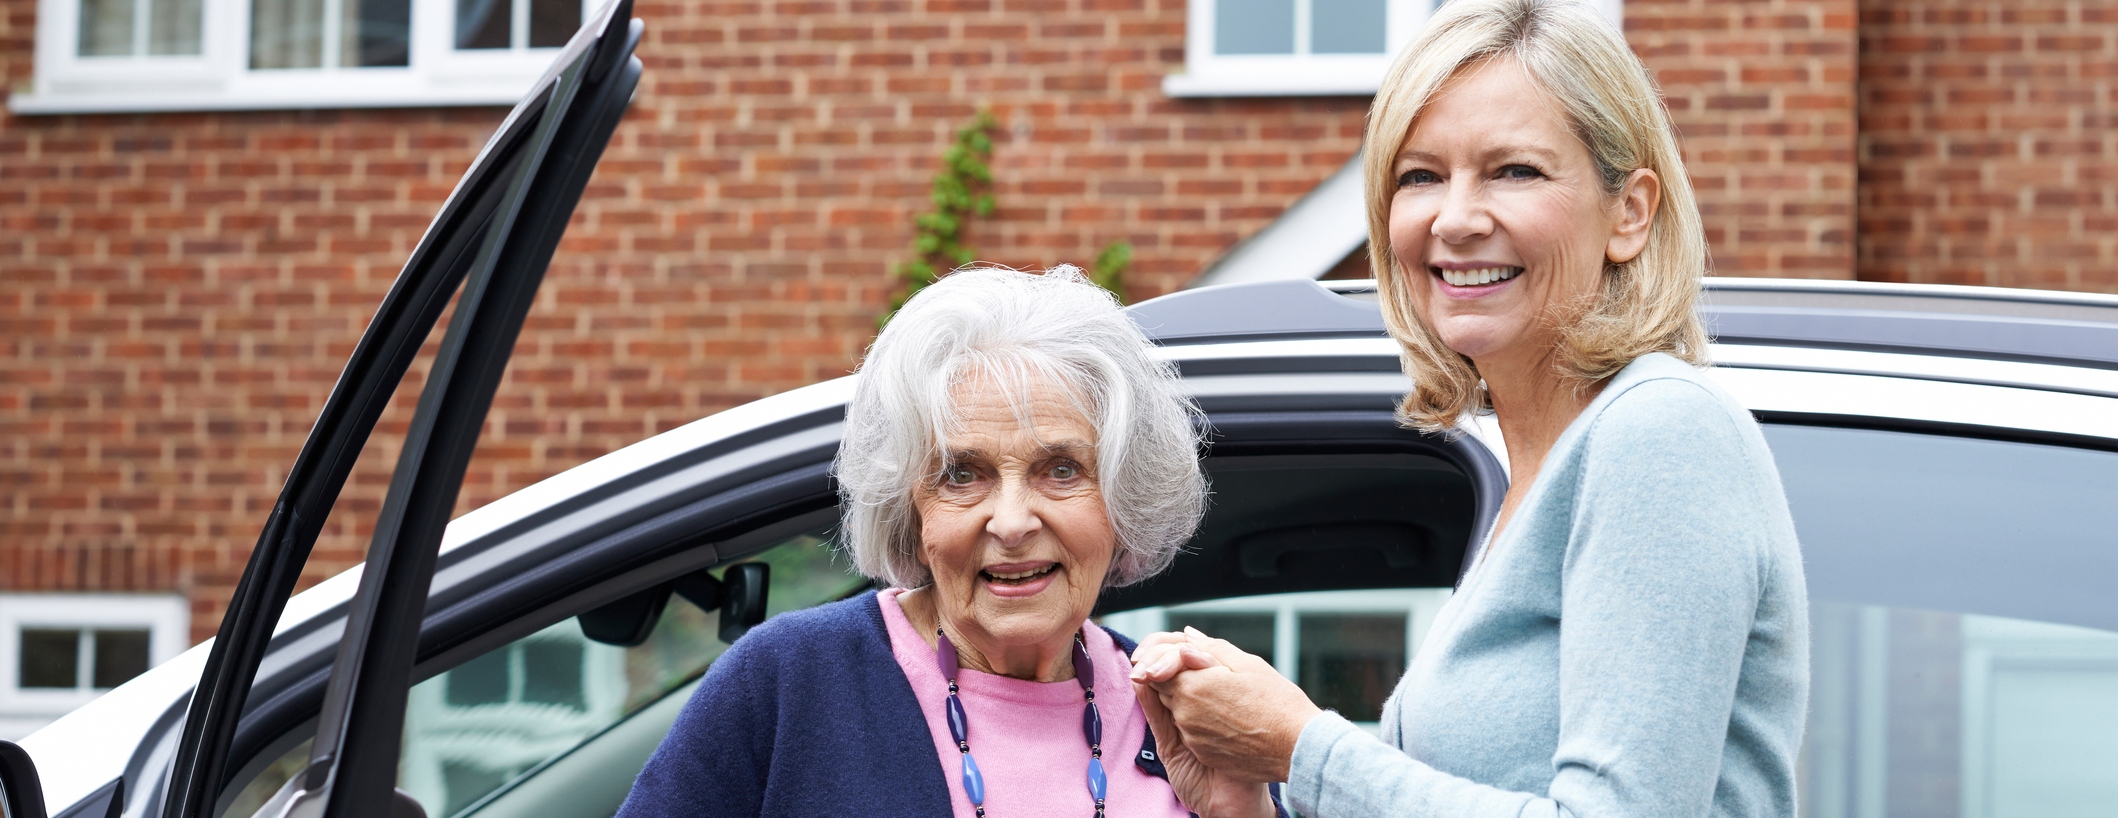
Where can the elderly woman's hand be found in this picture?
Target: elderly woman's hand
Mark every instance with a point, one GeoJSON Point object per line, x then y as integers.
{"type": "Point", "coordinates": [1204, 790]}
{"type": "Point", "coordinates": [1233, 712]}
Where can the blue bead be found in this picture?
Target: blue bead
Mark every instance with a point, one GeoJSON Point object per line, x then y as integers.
{"type": "Point", "coordinates": [959, 726]}
{"type": "Point", "coordinates": [1096, 782]}
{"type": "Point", "coordinates": [1092, 724]}
{"type": "Point", "coordinates": [974, 784]}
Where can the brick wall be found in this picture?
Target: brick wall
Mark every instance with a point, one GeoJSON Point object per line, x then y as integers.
{"type": "Point", "coordinates": [1763, 93]}
{"type": "Point", "coordinates": [1988, 153]}
{"type": "Point", "coordinates": [178, 292]}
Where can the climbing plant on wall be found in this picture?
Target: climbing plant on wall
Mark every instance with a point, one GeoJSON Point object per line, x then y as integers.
{"type": "Point", "coordinates": [961, 190]}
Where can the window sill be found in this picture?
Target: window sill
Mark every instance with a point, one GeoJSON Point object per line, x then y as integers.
{"type": "Point", "coordinates": [1275, 78]}
{"type": "Point", "coordinates": [1189, 86]}
{"type": "Point", "coordinates": [91, 102]}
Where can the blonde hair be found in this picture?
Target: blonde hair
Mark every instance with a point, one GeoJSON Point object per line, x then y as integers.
{"type": "Point", "coordinates": [1565, 46]}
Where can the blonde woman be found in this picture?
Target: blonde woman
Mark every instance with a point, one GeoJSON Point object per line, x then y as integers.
{"type": "Point", "coordinates": [1632, 639]}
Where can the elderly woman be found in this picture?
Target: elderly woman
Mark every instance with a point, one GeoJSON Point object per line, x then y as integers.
{"type": "Point", "coordinates": [1012, 448]}
{"type": "Point", "coordinates": [1632, 639]}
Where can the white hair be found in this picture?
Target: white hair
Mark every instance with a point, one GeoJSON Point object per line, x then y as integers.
{"type": "Point", "coordinates": [1018, 330]}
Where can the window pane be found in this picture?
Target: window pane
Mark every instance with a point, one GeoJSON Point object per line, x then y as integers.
{"type": "Point", "coordinates": [1253, 632]}
{"type": "Point", "coordinates": [1936, 713]}
{"type": "Point", "coordinates": [551, 673]}
{"type": "Point", "coordinates": [286, 33]}
{"type": "Point", "coordinates": [120, 655]}
{"type": "Point", "coordinates": [50, 658]}
{"type": "Point", "coordinates": [375, 33]}
{"type": "Point", "coordinates": [1253, 26]}
{"type": "Point", "coordinates": [1964, 650]}
{"type": "Point", "coordinates": [479, 681]}
{"type": "Point", "coordinates": [1346, 26]}
{"type": "Point", "coordinates": [1350, 662]}
{"type": "Point", "coordinates": [553, 22]}
{"type": "Point", "coordinates": [106, 28]}
{"type": "Point", "coordinates": [173, 26]}
{"type": "Point", "coordinates": [466, 737]}
{"type": "Point", "coordinates": [467, 781]}
{"type": "Point", "coordinates": [1953, 524]}
{"type": "Point", "coordinates": [482, 23]}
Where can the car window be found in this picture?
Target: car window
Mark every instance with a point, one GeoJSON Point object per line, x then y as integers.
{"type": "Point", "coordinates": [1346, 649]}
{"type": "Point", "coordinates": [1965, 636]}
{"type": "Point", "coordinates": [557, 704]}
{"type": "Point", "coordinates": [1944, 714]}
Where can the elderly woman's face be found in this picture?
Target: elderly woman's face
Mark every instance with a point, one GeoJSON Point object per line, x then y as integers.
{"type": "Point", "coordinates": [1500, 216]}
{"type": "Point", "coordinates": [1014, 528]}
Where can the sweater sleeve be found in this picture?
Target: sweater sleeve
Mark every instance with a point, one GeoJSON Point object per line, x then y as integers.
{"type": "Point", "coordinates": [1659, 588]}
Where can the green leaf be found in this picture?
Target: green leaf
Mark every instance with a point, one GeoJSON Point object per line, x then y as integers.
{"type": "Point", "coordinates": [1109, 272]}
{"type": "Point", "coordinates": [959, 192]}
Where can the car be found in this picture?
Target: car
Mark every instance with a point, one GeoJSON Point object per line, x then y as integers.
{"type": "Point", "coordinates": [1950, 455]}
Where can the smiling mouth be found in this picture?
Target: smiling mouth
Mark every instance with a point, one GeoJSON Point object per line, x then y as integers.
{"type": "Point", "coordinates": [1018, 577]}
{"type": "Point", "coordinates": [1477, 278]}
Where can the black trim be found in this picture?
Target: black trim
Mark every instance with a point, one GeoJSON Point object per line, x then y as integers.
{"type": "Point", "coordinates": [1360, 432]}
{"type": "Point", "coordinates": [360, 729]}
{"type": "Point", "coordinates": [473, 230]}
{"type": "Point", "coordinates": [761, 502]}
{"type": "Point", "coordinates": [1934, 427]}
{"type": "Point", "coordinates": [621, 484]}
{"type": "Point", "coordinates": [19, 783]}
{"type": "Point", "coordinates": [386, 350]}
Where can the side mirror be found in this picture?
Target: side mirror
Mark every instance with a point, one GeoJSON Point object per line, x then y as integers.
{"type": "Point", "coordinates": [21, 794]}
{"type": "Point", "coordinates": [743, 598]}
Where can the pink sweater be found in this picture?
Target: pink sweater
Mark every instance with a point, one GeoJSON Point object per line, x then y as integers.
{"type": "Point", "coordinates": [1027, 735]}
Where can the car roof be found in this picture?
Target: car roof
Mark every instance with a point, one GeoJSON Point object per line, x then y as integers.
{"type": "Point", "coordinates": [2078, 329]}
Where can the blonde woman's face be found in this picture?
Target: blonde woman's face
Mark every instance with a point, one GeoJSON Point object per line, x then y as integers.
{"type": "Point", "coordinates": [1499, 218]}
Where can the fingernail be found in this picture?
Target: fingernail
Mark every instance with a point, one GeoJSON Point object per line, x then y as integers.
{"type": "Point", "coordinates": [1194, 631]}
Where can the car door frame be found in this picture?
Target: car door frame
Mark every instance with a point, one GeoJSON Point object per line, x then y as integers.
{"type": "Point", "coordinates": [494, 236]}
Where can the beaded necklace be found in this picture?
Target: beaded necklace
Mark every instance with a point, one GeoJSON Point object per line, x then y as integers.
{"type": "Point", "coordinates": [960, 727]}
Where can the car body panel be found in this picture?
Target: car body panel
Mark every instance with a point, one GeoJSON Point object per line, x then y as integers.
{"type": "Point", "coordinates": [1343, 365]}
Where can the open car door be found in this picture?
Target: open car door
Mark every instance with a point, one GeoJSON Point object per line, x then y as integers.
{"type": "Point", "coordinates": [493, 237]}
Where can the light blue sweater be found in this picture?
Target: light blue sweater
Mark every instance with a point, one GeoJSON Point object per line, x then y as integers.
{"type": "Point", "coordinates": [1636, 642]}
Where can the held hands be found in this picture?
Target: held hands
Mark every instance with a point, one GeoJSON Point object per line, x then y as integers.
{"type": "Point", "coordinates": [1225, 721]}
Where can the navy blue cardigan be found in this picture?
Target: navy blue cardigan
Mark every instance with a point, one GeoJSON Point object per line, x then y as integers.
{"type": "Point", "coordinates": [807, 715]}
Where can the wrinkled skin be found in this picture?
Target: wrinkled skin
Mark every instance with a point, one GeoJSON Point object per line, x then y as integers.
{"type": "Point", "coordinates": [1015, 499]}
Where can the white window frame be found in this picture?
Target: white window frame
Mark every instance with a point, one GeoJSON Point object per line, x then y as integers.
{"type": "Point", "coordinates": [1207, 74]}
{"type": "Point", "coordinates": [167, 619]}
{"type": "Point", "coordinates": [1995, 645]}
{"type": "Point", "coordinates": [220, 77]}
{"type": "Point", "coordinates": [1419, 606]}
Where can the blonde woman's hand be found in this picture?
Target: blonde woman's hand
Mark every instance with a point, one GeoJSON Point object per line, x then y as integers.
{"type": "Point", "coordinates": [1208, 792]}
{"type": "Point", "coordinates": [1235, 713]}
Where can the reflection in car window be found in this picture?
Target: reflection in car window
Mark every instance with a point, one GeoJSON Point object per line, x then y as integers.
{"type": "Point", "coordinates": [485, 725]}
{"type": "Point", "coordinates": [1965, 637]}
{"type": "Point", "coordinates": [1943, 523]}
{"type": "Point", "coordinates": [1344, 648]}
{"type": "Point", "coordinates": [1933, 713]}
